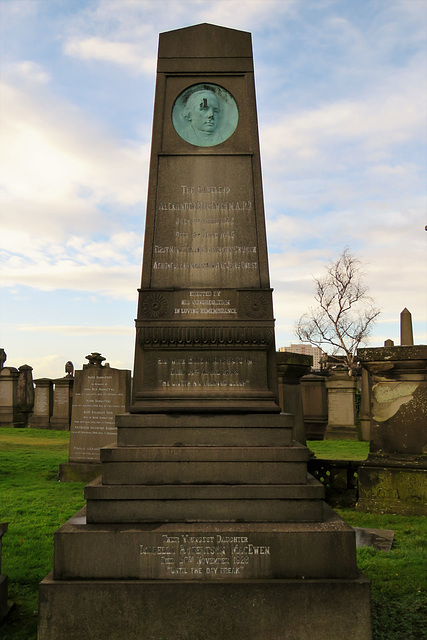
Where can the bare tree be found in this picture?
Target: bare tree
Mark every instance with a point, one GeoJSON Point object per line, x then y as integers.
{"type": "Point", "coordinates": [345, 313]}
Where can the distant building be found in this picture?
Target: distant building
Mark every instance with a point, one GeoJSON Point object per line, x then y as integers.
{"type": "Point", "coordinates": [307, 350]}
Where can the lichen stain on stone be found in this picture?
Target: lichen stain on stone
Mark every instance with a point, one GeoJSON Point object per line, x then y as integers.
{"type": "Point", "coordinates": [387, 398]}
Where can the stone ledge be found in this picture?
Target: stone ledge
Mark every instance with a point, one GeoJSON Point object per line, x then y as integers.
{"type": "Point", "coordinates": [230, 610]}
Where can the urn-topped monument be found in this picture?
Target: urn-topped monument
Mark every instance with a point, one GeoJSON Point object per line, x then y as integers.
{"type": "Point", "coordinates": [204, 523]}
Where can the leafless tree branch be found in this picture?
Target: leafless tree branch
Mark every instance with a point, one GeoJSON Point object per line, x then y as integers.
{"type": "Point", "coordinates": [345, 312]}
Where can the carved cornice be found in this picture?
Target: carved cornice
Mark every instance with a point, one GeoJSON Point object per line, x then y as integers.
{"type": "Point", "coordinates": [201, 337]}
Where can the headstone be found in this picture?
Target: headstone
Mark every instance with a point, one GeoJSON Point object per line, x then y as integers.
{"type": "Point", "coordinates": [291, 367]}
{"type": "Point", "coordinates": [315, 405]}
{"type": "Point", "coordinates": [25, 392]}
{"type": "Point", "coordinates": [43, 404]}
{"type": "Point", "coordinates": [100, 393]}
{"type": "Point", "coordinates": [5, 604]}
{"type": "Point", "coordinates": [341, 407]}
{"type": "Point", "coordinates": [393, 479]}
{"type": "Point", "coordinates": [62, 403]}
{"type": "Point", "coordinates": [10, 396]}
{"type": "Point", "coordinates": [204, 523]}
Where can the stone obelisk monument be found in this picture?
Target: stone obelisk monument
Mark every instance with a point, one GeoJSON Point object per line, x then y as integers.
{"type": "Point", "coordinates": [204, 524]}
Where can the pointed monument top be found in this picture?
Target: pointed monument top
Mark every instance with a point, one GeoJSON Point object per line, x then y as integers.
{"type": "Point", "coordinates": [205, 41]}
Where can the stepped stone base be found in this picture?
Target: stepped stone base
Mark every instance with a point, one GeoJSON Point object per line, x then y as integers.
{"type": "Point", "coordinates": [79, 471]}
{"type": "Point", "coordinates": [197, 610]}
{"type": "Point", "coordinates": [205, 550]}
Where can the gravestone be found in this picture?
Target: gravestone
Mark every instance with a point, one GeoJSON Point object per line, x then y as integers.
{"type": "Point", "coordinates": [315, 405]}
{"type": "Point", "coordinates": [16, 395]}
{"type": "Point", "coordinates": [341, 407]}
{"type": "Point", "coordinates": [291, 367]}
{"type": "Point", "coordinates": [43, 404]}
{"type": "Point", "coordinates": [10, 415]}
{"type": "Point", "coordinates": [204, 523]}
{"type": "Point", "coordinates": [62, 403]}
{"type": "Point", "coordinates": [100, 393]}
{"type": "Point", "coordinates": [393, 479]}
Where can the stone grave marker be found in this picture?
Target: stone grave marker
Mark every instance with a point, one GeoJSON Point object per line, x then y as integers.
{"type": "Point", "coordinates": [341, 407]}
{"type": "Point", "coordinates": [43, 404]}
{"type": "Point", "coordinates": [62, 403]}
{"type": "Point", "coordinates": [204, 523]}
{"type": "Point", "coordinates": [100, 393]}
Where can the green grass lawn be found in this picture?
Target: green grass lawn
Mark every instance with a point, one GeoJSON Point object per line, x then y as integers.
{"type": "Point", "coordinates": [35, 504]}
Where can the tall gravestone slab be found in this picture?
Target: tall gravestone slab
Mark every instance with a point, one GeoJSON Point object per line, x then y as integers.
{"type": "Point", "coordinates": [204, 523]}
{"type": "Point", "coordinates": [43, 404]}
{"type": "Point", "coordinates": [341, 407]}
{"type": "Point", "coordinates": [62, 403]}
{"type": "Point", "coordinates": [100, 393]}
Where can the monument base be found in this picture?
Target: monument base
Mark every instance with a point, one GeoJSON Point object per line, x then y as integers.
{"type": "Point", "coordinates": [176, 610]}
{"type": "Point", "coordinates": [79, 471]}
{"type": "Point", "coordinates": [396, 489]}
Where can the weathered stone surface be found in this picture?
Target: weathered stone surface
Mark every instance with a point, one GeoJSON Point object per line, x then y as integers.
{"type": "Point", "coordinates": [394, 477]}
{"type": "Point", "coordinates": [100, 393]}
{"type": "Point", "coordinates": [247, 550]}
{"type": "Point", "coordinates": [204, 429]}
{"type": "Point", "coordinates": [315, 405]}
{"type": "Point", "coordinates": [341, 407]}
{"type": "Point", "coordinates": [43, 404]}
{"type": "Point", "coordinates": [62, 402]}
{"type": "Point", "coordinates": [291, 367]}
{"type": "Point", "coordinates": [177, 610]}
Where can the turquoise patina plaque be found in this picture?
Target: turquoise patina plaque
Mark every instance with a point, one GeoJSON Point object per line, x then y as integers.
{"type": "Point", "coordinates": [205, 115]}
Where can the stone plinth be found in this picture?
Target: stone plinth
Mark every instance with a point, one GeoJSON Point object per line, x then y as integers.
{"type": "Point", "coordinates": [315, 405]}
{"type": "Point", "coordinates": [204, 522]}
{"type": "Point", "coordinates": [43, 404]}
{"type": "Point", "coordinates": [394, 477]}
{"type": "Point", "coordinates": [62, 403]}
{"type": "Point", "coordinates": [291, 367]}
{"type": "Point", "coordinates": [341, 407]}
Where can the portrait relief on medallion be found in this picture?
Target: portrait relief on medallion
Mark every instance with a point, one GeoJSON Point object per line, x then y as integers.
{"type": "Point", "coordinates": [205, 115]}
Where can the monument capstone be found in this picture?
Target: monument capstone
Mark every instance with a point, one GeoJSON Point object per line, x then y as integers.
{"type": "Point", "coordinates": [204, 523]}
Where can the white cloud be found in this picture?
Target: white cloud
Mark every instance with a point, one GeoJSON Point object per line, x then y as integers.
{"type": "Point", "coordinates": [76, 330]}
{"type": "Point", "coordinates": [122, 53]}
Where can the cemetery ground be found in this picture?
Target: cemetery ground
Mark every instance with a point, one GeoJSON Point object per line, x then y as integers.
{"type": "Point", "coordinates": [35, 504]}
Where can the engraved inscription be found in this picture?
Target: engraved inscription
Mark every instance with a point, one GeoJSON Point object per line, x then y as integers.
{"type": "Point", "coordinates": [206, 556]}
{"type": "Point", "coordinates": [217, 371]}
{"type": "Point", "coordinates": [205, 232]}
{"type": "Point", "coordinates": [100, 394]}
{"type": "Point", "coordinates": [206, 303]}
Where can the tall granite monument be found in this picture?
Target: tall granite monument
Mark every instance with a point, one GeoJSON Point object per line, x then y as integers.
{"type": "Point", "coordinates": [204, 523]}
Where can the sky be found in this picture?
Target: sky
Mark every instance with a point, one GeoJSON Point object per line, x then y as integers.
{"type": "Point", "coordinates": [342, 104]}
